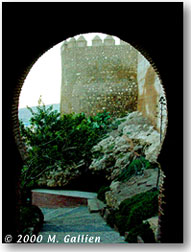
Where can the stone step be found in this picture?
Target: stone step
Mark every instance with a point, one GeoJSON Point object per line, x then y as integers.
{"type": "Point", "coordinates": [95, 205]}
{"type": "Point", "coordinates": [74, 222]}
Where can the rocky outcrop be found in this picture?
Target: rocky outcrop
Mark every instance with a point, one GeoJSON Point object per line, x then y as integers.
{"type": "Point", "coordinates": [128, 159]}
{"type": "Point", "coordinates": [59, 177]}
{"type": "Point", "coordinates": [136, 184]}
{"type": "Point", "coordinates": [134, 136]}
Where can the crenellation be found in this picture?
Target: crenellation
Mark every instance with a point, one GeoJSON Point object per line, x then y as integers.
{"type": "Point", "coordinates": [97, 41]}
{"type": "Point", "coordinates": [109, 41]}
{"type": "Point", "coordinates": [64, 45]}
{"type": "Point", "coordinates": [106, 76]}
{"type": "Point", "coordinates": [72, 43]}
{"type": "Point", "coordinates": [81, 41]}
{"type": "Point", "coordinates": [98, 77]}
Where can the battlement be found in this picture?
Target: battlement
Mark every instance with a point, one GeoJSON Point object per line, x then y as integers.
{"type": "Point", "coordinates": [97, 77]}
{"type": "Point", "coordinates": [96, 41]}
{"type": "Point", "coordinates": [109, 76]}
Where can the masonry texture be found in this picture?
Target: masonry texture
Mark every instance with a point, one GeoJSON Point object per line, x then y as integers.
{"type": "Point", "coordinates": [150, 91]}
{"type": "Point", "coordinates": [115, 78]}
{"type": "Point", "coordinates": [98, 77]}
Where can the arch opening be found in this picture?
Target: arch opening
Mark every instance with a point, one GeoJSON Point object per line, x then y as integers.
{"type": "Point", "coordinates": [114, 78]}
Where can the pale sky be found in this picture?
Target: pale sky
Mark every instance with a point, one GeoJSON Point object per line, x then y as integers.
{"type": "Point", "coordinates": [44, 78]}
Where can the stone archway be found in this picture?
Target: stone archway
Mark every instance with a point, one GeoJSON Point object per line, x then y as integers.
{"type": "Point", "coordinates": [149, 92]}
{"type": "Point", "coordinates": [149, 89]}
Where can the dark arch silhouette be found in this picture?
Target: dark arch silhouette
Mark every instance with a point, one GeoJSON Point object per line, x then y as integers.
{"type": "Point", "coordinates": [29, 31]}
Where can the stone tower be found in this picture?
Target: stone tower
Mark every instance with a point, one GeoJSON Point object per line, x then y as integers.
{"type": "Point", "coordinates": [99, 77]}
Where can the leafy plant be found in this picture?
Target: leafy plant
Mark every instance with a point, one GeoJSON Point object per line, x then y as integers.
{"type": "Point", "coordinates": [136, 167]}
{"type": "Point", "coordinates": [54, 141]}
{"type": "Point", "coordinates": [144, 209]}
{"type": "Point", "coordinates": [120, 221]}
{"type": "Point", "coordinates": [131, 213]}
{"type": "Point", "coordinates": [127, 204]}
{"type": "Point", "coordinates": [144, 231]}
{"type": "Point", "coordinates": [30, 217]}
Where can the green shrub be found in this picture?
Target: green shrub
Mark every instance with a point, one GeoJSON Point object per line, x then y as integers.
{"type": "Point", "coordinates": [126, 174]}
{"type": "Point", "coordinates": [54, 141]}
{"type": "Point", "coordinates": [136, 167]}
{"type": "Point", "coordinates": [144, 231]}
{"type": "Point", "coordinates": [127, 204]}
{"type": "Point", "coordinates": [101, 193]}
{"type": "Point", "coordinates": [111, 218]}
{"type": "Point", "coordinates": [115, 218]}
{"type": "Point", "coordinates": [133, 211]}
{"type": "Point", "coordinates": [114, 125]}
{"type": "Point", "coordinates": [120, 221]}
{"type": "Point", "coordinates": [30, 217]}
{"type": "Point", "coordinates": [144, 209]}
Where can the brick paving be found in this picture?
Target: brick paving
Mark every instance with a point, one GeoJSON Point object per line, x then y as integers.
{"type": "Point", "coordinates": [76, 225]}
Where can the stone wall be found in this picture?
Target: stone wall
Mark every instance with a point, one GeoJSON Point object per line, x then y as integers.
{"type": "Point", "coordinates": [98, 77]}
{"type": "Point", "coordinates": [116, 78]}
{"type": "Point", "coordinates": [51, 200]}
{"type": "Point", "coordinates": [151, 95]}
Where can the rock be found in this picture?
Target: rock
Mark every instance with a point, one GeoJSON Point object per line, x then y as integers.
{"type": "Point", "coordinates": [139, 239]}
{"type": "Point", "coordinates": [153, 222]}
{"type": "Point", "coordinates": [115, 173]}
{"type": "Point", "coordinates": [136, 184]}
{"type": "Point", "coordinates": [104, 145]}
{"type": "Point", "coordinates": [111, 199]}
{"type": "Point", "coordinates": [120, 141]}
{"type": "Point", "coordinates": [123, 160]}
{"type": "Point", "coordinates": [147, 137]}
{"type": "Point", "coordinates": [95, 205]}
{"type": "Point", "coordinates": [59, 177]}
{"type": "Point", "coordinates": [134, 136]}
{"type": "Point", "coordinates": [98, 164]}
{"type": "Point", "coordinates": [115, 186]}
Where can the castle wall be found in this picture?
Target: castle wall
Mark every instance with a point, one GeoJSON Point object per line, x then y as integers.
{"type": "Point", "coordinates": [98, 77]}
{"type": "Point", "coordinates": [115, 78]}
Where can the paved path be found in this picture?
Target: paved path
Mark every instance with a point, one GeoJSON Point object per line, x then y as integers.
{"type": "Point", "coordinates": [76, 225]}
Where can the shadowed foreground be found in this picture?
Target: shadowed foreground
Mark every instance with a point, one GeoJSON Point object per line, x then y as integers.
{"type": "Point", "coordinates": [76, 225]}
